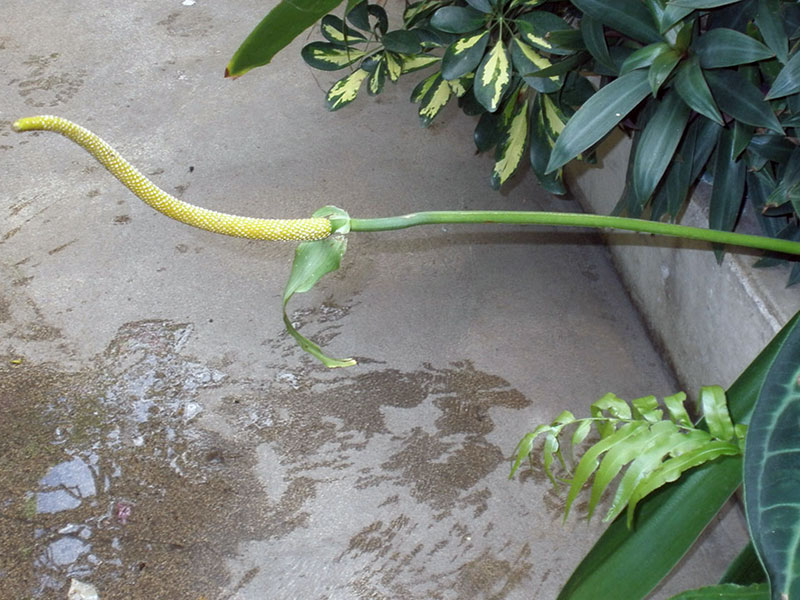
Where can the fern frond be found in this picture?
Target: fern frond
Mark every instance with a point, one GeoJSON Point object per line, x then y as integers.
{"type": "Point", "coordinates": [650, 445]}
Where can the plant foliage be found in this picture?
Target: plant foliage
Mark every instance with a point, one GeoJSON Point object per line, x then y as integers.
{"type": "Point", "coordinates": [706, 89]}
{"type": "Point", "coordinates": [645, 443]}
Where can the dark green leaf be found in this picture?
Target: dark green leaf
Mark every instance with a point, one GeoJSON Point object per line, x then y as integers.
{"type": "Point", "coordinates": [594, 38]}
{"type": "Point", "coordinates": [282, 24]}
{"type": "Point", "coordinates": [742, 134]}
{"type": "Point", "coordinates": [742, 100]}
{"type": "Point", "coordinates": [692, 87]}
{"type": "Point", "coordinates": [629, 17]}
{"type": "Point", "coordinates": [702, 3]}
{"type": "Point", "coordinates": [546, 31]}
{"type": "Point", "coordinates": [457, 19]}
{"type": "Point", "coordinates": [464, 55]}
{"type": "Point", "coordinates": [727, 192]}
{"type": "Point", "coordinates": [528, 61]}
{"type": "Point", "coordinates": [772, 473]}
{"type": "Point", "coordinates": [562, 67]}
{"type": "Point", "coordinates": [661, 68]}
{"type": "Point", "coordinates": [769, 21]}
{"type": "Point", "coordinates": [330, 57]}
{"type": "Point", "coordinates": [482, 5]}
{"type": "Point", "coordinates": [671, 15]}
{"type": "Point", "coordinates": [771, 146]}
{"type": "Point", "coordinates": [726, 591]}
{"type": "Point", "coordinates": [486, 134]}
{"type": "Point", "coordinates": [671, 519]}
{"type": "Point", "coordinates": [335, 31]}
{"type": "Point", "coordinates": [601, 113]}
{"type": "Point", "coordinates": [401, 41]}
{"type": "Point", "coordinates": [788, 80]}
{"type": "Point", "coordinates": [727, 48]}
{"type": "Point", "coordinates": [657, 145]}
{"type": "Point", "coordinates": [492, 77]}
{"type": "Point", "coordinates": [745, 569]}
{"type": "Point", "coordinates": [643, 57]}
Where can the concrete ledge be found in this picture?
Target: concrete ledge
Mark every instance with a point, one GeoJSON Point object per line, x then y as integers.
{"type": "Point", "coordinates": [710, 320]}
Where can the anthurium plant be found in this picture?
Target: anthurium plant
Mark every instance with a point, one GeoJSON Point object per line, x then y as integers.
{"type": "Point", "coordinates": [706, 88]}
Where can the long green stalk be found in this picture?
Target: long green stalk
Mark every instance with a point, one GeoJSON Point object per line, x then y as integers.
{"type": "Point", "coordinates": [575, 220]}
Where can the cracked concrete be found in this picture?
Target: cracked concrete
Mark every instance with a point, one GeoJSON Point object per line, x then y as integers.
{"type": "Point", "coordinates": [162, 437]}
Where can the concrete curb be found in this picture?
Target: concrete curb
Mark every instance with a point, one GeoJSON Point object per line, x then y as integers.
{"type": "Point", "coordinates": [710, 320]}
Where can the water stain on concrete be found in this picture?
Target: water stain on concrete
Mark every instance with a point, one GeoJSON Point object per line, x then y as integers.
{"type": "Point", "coordinates": [150, 474]}
{"type": "Point", "coordinates": [44, 85]}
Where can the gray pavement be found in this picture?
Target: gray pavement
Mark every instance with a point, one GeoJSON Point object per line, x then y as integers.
{"type": "Point", "coordinates": [162, 437]}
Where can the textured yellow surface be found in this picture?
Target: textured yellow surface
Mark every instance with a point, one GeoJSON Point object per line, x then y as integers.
{"type": "Point", "coordinates": [210, 220]}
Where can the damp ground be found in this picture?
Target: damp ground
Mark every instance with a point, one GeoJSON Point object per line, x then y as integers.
{"type": "Point", "coordinates": [161, 437]}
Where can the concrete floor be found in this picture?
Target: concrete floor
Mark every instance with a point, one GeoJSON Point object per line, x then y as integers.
{"type": "Point", "coordinates": [162, 437]}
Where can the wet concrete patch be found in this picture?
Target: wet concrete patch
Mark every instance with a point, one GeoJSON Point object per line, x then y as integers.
{"type": "Point", "coordinates": [149, 474]}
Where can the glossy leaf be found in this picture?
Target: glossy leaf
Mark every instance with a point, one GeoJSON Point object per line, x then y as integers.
{"type": "Point", "coordinates": [745, 569]}
{"type": "Point", "coordinates": [546, 31]}
{"type": "Point", "coordinates": [401, 41]}
{"type": "Point", "coordinates": [344, 91]}
{"type": "Point", "coordinates": [769, 20]}
{"type": "Point", "coordinates": [702, 3]}
{"type": "Point", "coordinates": [727, 48]}
{"type": "Point", "coordinates": [658, 143]}
{"type": "Point", "coordinates": [335, 31]}
{"type": "Point", "coordinates": [629, 17]}
{"type": "Point", "coordinates": [282, 24]}
{"type": "Point", "coordinates": [359, 15]}
{"type": "Point", "coordinates": [330, 57]}
{"type": "Point", "coordinates": [512, 145]}
{"type": "Point", "coordinates": [643, 57]}
{"type": "Point", "coordinates": [486, 135]}
{"type": "Point", "coordinates": [594, 38]}
{"type": "Point", "coordinates": [726, 591]}
{"type": "Point", "coordinates": [788, 80]}
{"type": "Point", "coordinates": [492, 77]}
{"type": "Point", "coordinates": [464, 55]}
{"type": "Point", "coordinates": [742, 100]}
{"type": "Point", "coordinates": [313, 260]}
{"type": "Point", "coordinates": [671, 15]}
{"type": "Point", "coordinates": [601, 113]}
{"type": "Point", "coordinates": [485, 6]}
{"type": "Point", "coordinates": [528, 61]}
{"type": "Point", "coordinates": [661, 68]}
{"type": "Point", "coordinates": [669, 521]}
{"type": "Point", "coordinates": [692, 87]}
{"type": "Point", "coordinates": [772, 474]}
{"type": "Point", "coordinates": [728, 189]}
{"type": "Point", "coordinates": [457, 19]}
{"type": "Point", "coordinates": [562, 67]}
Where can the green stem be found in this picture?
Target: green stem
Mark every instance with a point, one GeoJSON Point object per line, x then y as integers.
{"type": "Point", "coordinates": [576, 220]}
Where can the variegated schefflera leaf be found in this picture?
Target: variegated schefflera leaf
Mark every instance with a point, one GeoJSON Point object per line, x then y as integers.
{"type": "Point", "coordinates": [513, 139]}
{"type": "Point", "coordinates": [646, 442]}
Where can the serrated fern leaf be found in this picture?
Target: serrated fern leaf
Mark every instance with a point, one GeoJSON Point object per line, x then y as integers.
{"type": "Point", "coordinates": [640, 444]}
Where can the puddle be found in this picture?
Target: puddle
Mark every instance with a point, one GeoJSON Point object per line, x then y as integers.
{"type": "Point", "coordinates": [150, 475]}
